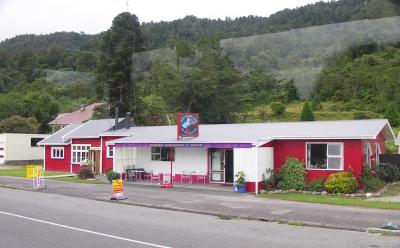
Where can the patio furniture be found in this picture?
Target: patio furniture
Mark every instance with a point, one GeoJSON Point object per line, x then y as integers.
{"type": "Point", "coordinates": [135, 174]}
{"type": "Point", "coordinates": [200, 176]}
{"type": "Point", "coordinates": [186, 176]}
{"type": "Point", "coordinates": [152, 176]}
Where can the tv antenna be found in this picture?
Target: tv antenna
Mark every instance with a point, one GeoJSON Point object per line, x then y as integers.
{"type": "Point", "coordinates": [127, 5]}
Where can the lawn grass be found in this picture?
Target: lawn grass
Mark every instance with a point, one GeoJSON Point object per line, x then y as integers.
{"type": "Point", "coordinates": [333, 200]}
{"type": "Point", "coordinates": [74, 179]}
{"type": "Point", "coordinates": [21, 172]}
{"type": "Point", "coordinates": [392, 190]}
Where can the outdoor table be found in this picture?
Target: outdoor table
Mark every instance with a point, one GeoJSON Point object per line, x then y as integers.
{"type": "Point", "coordinates": [138, 172]}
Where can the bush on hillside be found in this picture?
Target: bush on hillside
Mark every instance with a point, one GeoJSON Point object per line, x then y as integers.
{"type": "Point", "coordinates": [293, 175]}
{"type": "Point", "coordinates": [278, 108]}
{"type": "Point", "coordinates": [389, 172]}
{"type": "Point", "coordinates": [307, 113]}
{"type": "Point", "coordinates": [341, 182]}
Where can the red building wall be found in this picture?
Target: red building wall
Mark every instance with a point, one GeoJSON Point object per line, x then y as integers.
{"type": "Point", "coordinates": [93, 142]}
{"type": "Point", "coordinates": [58, 164]}
{"type": "Point", "coordinates": [107, 162]}
{"type": "Point", "coordinates": [353, 155]}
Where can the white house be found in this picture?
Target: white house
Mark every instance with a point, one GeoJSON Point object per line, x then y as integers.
{"type": "Point", "coordinates": [20, 148]}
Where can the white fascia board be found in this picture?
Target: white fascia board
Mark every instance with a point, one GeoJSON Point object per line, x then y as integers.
{"type": "Point", "coordinates": [116, 135]}
{"type": "Point", "coordinates": [321, 137]}
{"type": "Point", "coordinates": [386, 125]}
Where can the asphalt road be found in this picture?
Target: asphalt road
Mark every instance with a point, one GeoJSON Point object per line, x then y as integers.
{"type": "Point", "coordinates": [33, 219]}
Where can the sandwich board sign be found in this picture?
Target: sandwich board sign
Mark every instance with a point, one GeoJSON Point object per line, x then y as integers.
{"type": "Point", "coordinates": [118, 190]}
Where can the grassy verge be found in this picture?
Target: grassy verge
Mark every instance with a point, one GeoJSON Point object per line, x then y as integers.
{"type": "Point", "coordinates": [21, 172]}
{"type": "Point", "coordinates": [76, 180]}
{"type": "Point", "coordinates": [333, 200]}
{"type": "Point", "coordinates": [392, 190]}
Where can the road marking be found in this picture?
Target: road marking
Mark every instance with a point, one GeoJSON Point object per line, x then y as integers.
{"type": "Point", "coordinates": [83, 230]}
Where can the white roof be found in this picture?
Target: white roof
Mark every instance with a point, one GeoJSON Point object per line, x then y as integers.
{"type": "Point", "coordinates": [258, 132]}
{"type": "Point", "coordinates": [89, 129]}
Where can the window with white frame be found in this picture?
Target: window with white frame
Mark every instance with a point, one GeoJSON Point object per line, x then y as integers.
{"type": "Point", "coordinates": [79, 153]}
{"type": "Point", "coordinates": [110, 151]}
{"type": "Point", "coordinates": [367, 154]}
{"type": "Point", "coordinates": [325, 156]}
{"type": "Point", "coordinates": [162, 154]}
{"type": "Point", "coordinates": [57, 152]}
{"type": "Point", "coordinates": [377, 152]}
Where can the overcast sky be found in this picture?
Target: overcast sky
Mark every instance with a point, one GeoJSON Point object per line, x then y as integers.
{"type": "Point", "coordinates": [94, 16]}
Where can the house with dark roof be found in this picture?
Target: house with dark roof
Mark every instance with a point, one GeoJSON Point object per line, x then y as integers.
{"type": "Point", "coordinates": [221, 150]}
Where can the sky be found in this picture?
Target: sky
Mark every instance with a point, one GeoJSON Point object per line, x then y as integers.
{"type": "Point", "coordinates": [94, 16]}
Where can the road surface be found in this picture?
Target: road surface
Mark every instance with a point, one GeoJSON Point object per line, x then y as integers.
{"type": "Point", "coordinates": [34, 219]}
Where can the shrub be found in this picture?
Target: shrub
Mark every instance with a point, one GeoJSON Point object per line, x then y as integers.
{"type": "Point", "coordinates": [370, 180]}
{"type": "Point", "coordinates": [389, 172]}
{"type": "Point", "coordinates": [112, 175]}
{"type": "Point", "coordinates": [85, 172]}
{"type": "Point", "coordinates": [341, 182]}
{"type": "Point", "coordinates": [316, 185]}
{"type": "Point", "coordinates": [275, 176]}
{"type": "Point", "coordinates": [293, 175]}
{"type": "Point", "coordinates": [278, 108]}
{"type": "Point", "coordinates": [240, 178]}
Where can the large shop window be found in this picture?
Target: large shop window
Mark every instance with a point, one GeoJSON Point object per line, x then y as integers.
{"type": "Point", "coordinates": [325, 156]}
{"type": "Point", "coordinates": [79, 153]}
{"type": "Point", "coordinates": [57, 152]}
{"type": "Point", "coordinates": [162, 154]}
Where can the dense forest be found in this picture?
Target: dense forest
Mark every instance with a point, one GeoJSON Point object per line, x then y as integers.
{"type": "Point", "coordinates": [43, 75]}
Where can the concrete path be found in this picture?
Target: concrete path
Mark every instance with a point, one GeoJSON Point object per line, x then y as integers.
{"type": "Point", "coordinates": [224, 203]}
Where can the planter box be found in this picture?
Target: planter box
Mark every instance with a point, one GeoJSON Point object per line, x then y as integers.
{"type": "Point", "coordinates": [240, 189]}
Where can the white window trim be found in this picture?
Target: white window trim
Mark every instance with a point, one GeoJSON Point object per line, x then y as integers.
{"type": "Point", "coordinates": [331, 156]}
{"type": "Point", "coordinates": [369, 162]}
{"type": "Point", "coordinates": [108, 151]}
{"type": "Point", "coordinates": [377, 152]}
{"type": "Point", "coordinates": [57, 148]}
{"type": "Point", "coordinates": [72, 152]}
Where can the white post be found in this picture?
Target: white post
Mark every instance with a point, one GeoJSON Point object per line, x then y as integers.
{"type": "Point", "coordinates": [256, 168]}
{"type": "Point", "coordinates": [101, 155]}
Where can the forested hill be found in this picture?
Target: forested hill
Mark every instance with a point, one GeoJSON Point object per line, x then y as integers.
{"type": "Point", "coordinates": [161, 34]}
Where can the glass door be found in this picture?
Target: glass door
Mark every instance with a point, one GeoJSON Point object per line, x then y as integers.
{"type": "Point", "coordinates": [217, 170]}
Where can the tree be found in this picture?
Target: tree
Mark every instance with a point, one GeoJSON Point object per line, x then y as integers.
{"type": "Point", "coordinates": [154, 110]}
{"type": "Point", "coordinates": [278, 108]}
{"type": "Point", "coordinates": [291, 89]}
{"type": "Point", "coordinates": [18, 124]}
{"type": "Point", "coordinates": [115, 64]}
{"type": "Point", "coordinates": [307, 113]}
{"type": "Point", "coordinates": [392, 115]}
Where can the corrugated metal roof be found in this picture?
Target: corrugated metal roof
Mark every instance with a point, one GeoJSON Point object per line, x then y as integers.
{"type": "Point", "coordinates": [254, 132]}
{"type": "Point", "coordinates": [57, 137]}
{"type": "Point", "coordinates": [77, 116]}
{"type": "Point", "coordinates": [91, 129]}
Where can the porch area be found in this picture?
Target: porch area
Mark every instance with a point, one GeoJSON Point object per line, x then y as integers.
{"type": "Point", "coordinates": [204, 167]}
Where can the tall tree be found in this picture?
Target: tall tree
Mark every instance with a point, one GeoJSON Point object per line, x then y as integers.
{"type": "Point", "coordinates": [307, 113]}
{"type": "Point", "coordinates": [115, 64]}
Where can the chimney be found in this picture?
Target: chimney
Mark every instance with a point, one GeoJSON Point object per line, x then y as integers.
{"type": "Point", "coordinates": [82, 107]}
{"type": "Point", "coordinates": [116, 119]}
{"type": "Point", "coordinates": [128, 120]}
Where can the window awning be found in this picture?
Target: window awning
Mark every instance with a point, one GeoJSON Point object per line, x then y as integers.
{"type": "Point", "coordinates": [187, 145]}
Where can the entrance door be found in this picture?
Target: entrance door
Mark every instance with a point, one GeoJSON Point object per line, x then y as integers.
{"type": "Point", "coordinates": [94, 156]}
{"type": "Point", "coordinates": [217, 170]}
{"type": "Point", "coordinates": [228, 166]}
{"type": "Point", "coordinates": [221, 166]}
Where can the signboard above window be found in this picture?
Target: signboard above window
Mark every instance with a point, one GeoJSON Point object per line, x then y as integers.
{"type": "Point", "coordinates": [188, 125]}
